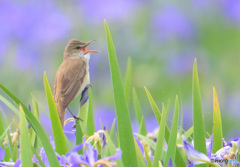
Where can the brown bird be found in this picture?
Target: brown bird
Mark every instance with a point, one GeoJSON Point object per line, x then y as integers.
{"type": "Point", "coordinates": [72, 77]}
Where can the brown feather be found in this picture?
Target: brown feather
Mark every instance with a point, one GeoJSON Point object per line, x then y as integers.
{"type": "Point", "coordinates": [69, 79]}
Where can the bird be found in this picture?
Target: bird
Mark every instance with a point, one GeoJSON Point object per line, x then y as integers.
{"type": "Point", "coordinates": [72, 77]}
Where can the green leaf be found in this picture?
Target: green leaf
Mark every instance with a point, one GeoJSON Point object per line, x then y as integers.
{"type": "Point", "coordinates": [127, 83]}
{"type": "Point", "coordinates": [112, 129]}
{"type": "Point", "coordinates": [149, 162]}
{"type": "Point", "coordinates": [158, 152]}
{"type": "Point", "coordinates": [83, 114]}
{"type": "Point", "coordinates": [187, 134]}
{"type": "Point", "coordinates": [61, 147]}
{"type": "Point", "coordinates": [10, 145]}
{"type": "Point", "coordinates": [9, 104]}
{"type": "Point", "coordinates": [15, 152]}
{"type": "Point", "coordinates": [140, 158]}
{"type": "Point", "coordinates": [1, 127]}
{"type": "Point", "coordinates": [217, 124]}
{"type": "Point", "coordinates": [123, 119]}
{"type": "Point", "coordinates": [79, 135]}
{"type": "Point", "coordinates": [26, 152]}
{"type": "Point", "coordinates": [53, 161]}
{"type": "Point", "coordinates": [90, 120]}
{"type": "Point", "coordinates": [198, 123]}
{"type": "Point", "coordinates": [112, 149]}
{"type": "Point", "coordinates": [179, 160]}
{"type": "Point", "coordinates": [137, 107]}
{"type": "Point", "coordinates": [150, 142]}
{"type": "Point", "coordinates": [171, 151]}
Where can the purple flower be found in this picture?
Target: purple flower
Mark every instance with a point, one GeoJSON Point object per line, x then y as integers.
{"type": "Point", "coordinates": [111, 10]}
{"type": "Point", "coordinates": [2, 153]}
{"type": "Point", "coordinates": [194, 156]}
{"type": "Point", "coordinates": [231, 10]}
{"type": "Point", "coordinates": [30, 30]}
{"type": "Point", "coordinates": [171, 22]}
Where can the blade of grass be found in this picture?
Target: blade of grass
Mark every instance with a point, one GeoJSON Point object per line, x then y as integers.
{"type": "Point", "coordinates": [187, 134]}
{"type": "Point", "coordinates": [79, 135]}
{"type": "Point", "coordinates": [141, 161]}
{"type": "Point", "coordinates": [198, 123]}
{"type": "Point", "coordinates": [53, 161]}
{"type": "Point", "coordinates": [112, 129]}
{"type": "Point", "coordinates": [179, 160]}
{"type": "Point", "coordinates": [43, 109]}
{"type": "Point", "coordinates": [15, 152]}
{"type": "Point", "coordinates": [83, 114]}
{"type": "Point", "coordinates": [60, 143]}
{"type": "Point", "coordinates": [90, 120]}
{"type": "Point", "coordinates": [123, 119]}
{"type": "Point", "coordinates": [139, 114]}
{"type": "Point", "coordinates": [217, 124]}
{"type": "Point", "coordinates": [9, 104]}
{"type": "Point", "coordinates": [112, 149]}
{"type": "Point", "coordinates": [149, 162]}
{"type": "Point", "coordinates": [127, 79]}
{"type": "Point", "coordinates": [26, 152]}
{"type": "Point", "coordinates": [158, 152]}
{"type": "Point", "coordinates": [171, 151]}
{"type": "Point", "coordinates": [10, 145]}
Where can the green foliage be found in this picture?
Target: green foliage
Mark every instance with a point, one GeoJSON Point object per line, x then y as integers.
{"type": "Point", "coordinates": [53, 161]}
{"type": "Point", "coordinates": [160, 139]}
{"type": "Point", "coordinates": [26, 152]}
{"type": "Point", "coordinates": [58, 134]}
{"type": "Point", "coordinates": [137, 107]}
{"type": "Point", "coordinates": [179, 161]}
{"type": "Point", "coordinates": [217, 124]}
{"type": "Point", "coordinates": [171, 151]}
{"type": "Point", "coordinates": [90, 119]}
{"type": "Point", "coordinates": [127, 79]}
{"type": "Point", "coordinates": [123, 119]}
{"type": "Point", "coordinates": [198, 123]}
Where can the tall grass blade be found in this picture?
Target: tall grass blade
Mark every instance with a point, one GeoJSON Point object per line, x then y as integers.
{"type": "Point", "coordinates": [90, 120]}
{"type": "Point", "coordinates": [60, 143]}
{"type": "Point", "coordinates": [160, 139]}
{"type": "Point", "coordinates": [149, 162]}
{"type": "Point", "coordinates": [217, 124]}
{"type": "Point", "coordinates": [79, 135]}
{"type": "Point", "coordinates": [140, 158]}
{"type": "Point", "coordinates": [123, 119]}
{"type": "Point", "coordinates": [9, 104]}
{"type": "Point", "coordinates": [139, 114]}
{"type": "Point", "coordinates": [26, 152]}
{"type": "Point", "coordinates": [53, 161]}
{"type": "Point", "coordinates": [179, 160]}
{"type": "Point", "coordinates": [171, 151]}
{"type": "Point", "coordinates": [83, 114]}
{"type": "Point", "coordinates": [112, 149]}
{"type": "Point", "coordinates": [198, 123]}
{"type": "Point", "coordinates": [127, 79]}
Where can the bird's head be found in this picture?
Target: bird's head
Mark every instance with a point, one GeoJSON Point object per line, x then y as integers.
{"type": "Point", "coordinates": [77, 49]}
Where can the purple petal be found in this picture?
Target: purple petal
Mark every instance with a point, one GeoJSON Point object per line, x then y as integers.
{"type": "Point", "coordinates": [140, 146]}
{"type": "Point", "coordinates": [194, 156]}
{"type": "Point", "coordinates": [78, 147]}
{"type": "Point", "coordinates": [18, 163]}
{"type": "Point", "coordinates": [91, 154]}
{"type": "Point", "coordinates": [84, 96]}
{"type": "Point", "coordinates": [75, 159]}
{"type": "Point", "coordinates": [118, 155]}
{"type": "Point", "coordinates": [63, 160]}
{"type": "Point", "coordinates": [2, 153]}
{"type": "Point", "coordinates": [209, 146]}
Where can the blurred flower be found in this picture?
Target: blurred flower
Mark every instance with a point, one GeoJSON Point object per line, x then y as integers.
{"type": "Point", "coordinates": [171, 22]}
{"type": "Point", "coordinates": [111, 10]}
{"type": "Point", "coordinates": [2, 153]}
{"type": "Point", "coordinates": [231, 10]}
{"type": "Point", "coordinates": [194, 156]}
{"type": "Point", "coordinates": [29, 30]}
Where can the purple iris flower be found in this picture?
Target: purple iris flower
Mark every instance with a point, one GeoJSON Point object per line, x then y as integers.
{"type": "Point", "coordinates": [231, 10]}
{"type": "Point", "coordinates": [2, 153]}
{"type": "Point", "coordinates": [30, 30]}
{"type": "Point", "coordinates": [171, 22]}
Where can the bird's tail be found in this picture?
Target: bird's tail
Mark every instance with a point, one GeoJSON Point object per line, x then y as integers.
{"type": "Point", "coordinates": [61, 112]}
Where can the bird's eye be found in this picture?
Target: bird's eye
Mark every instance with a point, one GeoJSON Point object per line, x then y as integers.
{"type": "Point", "coordinates": [78, 47]}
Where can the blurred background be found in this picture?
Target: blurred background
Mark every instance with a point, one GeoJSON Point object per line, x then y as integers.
{"type": "Point", "coordinates": [161, 37]}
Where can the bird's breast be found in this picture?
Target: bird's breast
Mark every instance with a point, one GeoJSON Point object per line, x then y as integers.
{"type": "Point", "coordinates": [86, 82]}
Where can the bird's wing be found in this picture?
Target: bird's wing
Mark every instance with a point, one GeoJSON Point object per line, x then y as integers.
{"type": "Point", "coordinates": [69, 79]}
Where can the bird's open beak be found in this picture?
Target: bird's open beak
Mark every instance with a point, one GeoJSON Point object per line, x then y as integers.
{"type": "Point", "coordinates": [89, 51]}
